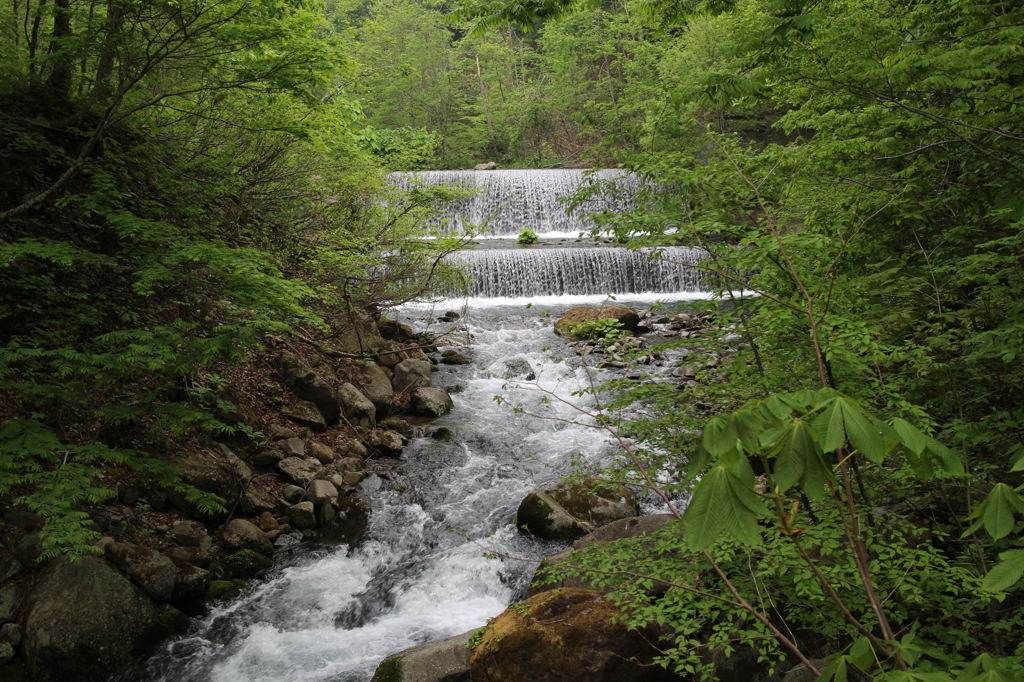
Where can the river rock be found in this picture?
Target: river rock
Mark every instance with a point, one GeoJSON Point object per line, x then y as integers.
{"type": "Point", "coordinates": [581, 313]}
{"type": "Point", "coordinates": [256, 500]}
{"type": "Point", "coordinates": [357, 408]}
{"type": "Point", "coordinates": [451, 357]}
{"type": "Point", "coordinates": [355, 449]}
{"type": "Point", "coordinates": [324, 454]}
{"type": "Point", "coordinates": [431, 402]}
{"type": "Point", "coordinates": [305, 413]}
{"type": "Point", "coordinates": [147, 568]}
{"type": "Point", "coordinates": [566, 635]}
{"type": "Point", "coordinates": [292, 447]}
{"type": "Point", "coordinates": [301, 471]}
{"type": "Point", "coordinates": [293, 494]}
{"type": "Point", "coordinates": [320, 492]}
{"type": "Point", "coordinates": [410, 374]}
{"type": "Point", "coordinates": [349, 524]}
{"type": "Point", "coordinates": [241, 534]}
{"type": "Point", "coordinates": [391, 353]}
{"type": "Point", "coordinates": [197, 556]}
{"type": "Point", "coordinates": [218, 472]}
{"type": "Point", "coordinates": [539, 514]}
{"type": "Point", "coordinates": [245, 563]}
{"type": "Point", "coordinates": [597, 503]}
{"type": "Point", "coordinates": [302, 515]}
{"type": "Point", "coordinates": [192, 583]}
{"type": "Point", "coordinates": [6, 652]}
{"type": "Point", "coordinates": [188, 533]}
{"type": "Point", "coordinates": [356, 332]}
{"type": "Point", "coordinates": [489, 166]}
{"type": "Point", "coordinates": [386, 442]}
{"type": "Point", "coordinates": [268, 457]}
{"type": "Point", "coordinates": [446, 660]}
{"type": "Point", "coordinates": [376, 384]}
{"type": "Point", "coordinates": [85, 620]}
{"type": "Point", "coordinates": [10, 600]}
{"type": "Point", "coordinates": [9, 567]}
{"type": "Point", "coordinates": [638, 526]}
{"type": "Point", "coordinates": [399, 425]}
{"type": "Point", "coordinates": [305, 384]}
{"type": "Point", "coordinates": [519, 367]}
{"type": "Point", "coordinates": [393, 330]}
{"type": "Point", "coordinates": [11, 632]}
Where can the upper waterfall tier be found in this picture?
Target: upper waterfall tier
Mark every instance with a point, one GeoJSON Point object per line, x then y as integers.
{"type": "Point", "coordinates": [509, 201]}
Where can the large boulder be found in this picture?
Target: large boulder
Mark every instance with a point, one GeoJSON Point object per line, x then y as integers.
{"type": "Point", "coordinates": [377, 386]}
{"type": "Point", "coordinates": [410, 374]}
{"type": "Point", "coordinates": [490, 165]}
{"type": "Point", "coordinates": [357, 408]}
{"type": "Point", "coordinates": [627, 317]}
{"type": "Point", "coordinates": [150, 570]}
{"type": "Point", "coordinates": [539, 514]}
{"type": "Point", "coordinates": [305, 384]}
{"type": "Point", "coordinates": [445, 660]}
{"type": "Point", "coordinates": [637, 526]}
{"type": "Point", "coordinates": [84, 620]}
{"type": "Point", "coordinates": [305, 413]}
{"type": "Point", "coordinates": [349, 524]}
{"type": "Point", "coordinates": [385, 442]}
{"type": "Point", "coordinates": [356, 332]}
{"type": "Point", "coordinates": [566, 635]}
{"type": "Point", "coordinates": [431, 402]}
{"type": "Point", "coordinates": [596, 502]}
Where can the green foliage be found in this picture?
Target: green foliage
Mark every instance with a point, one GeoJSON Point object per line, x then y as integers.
{"type": "Point", "coordinates": [607, 331]}
{"type": "Point", "coordinates": [527, 237]}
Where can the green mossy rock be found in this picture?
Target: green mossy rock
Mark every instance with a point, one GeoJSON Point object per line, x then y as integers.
{"type": "Point", "coordinates": [596, 502]}
{"type": "Point", "coordinates": [539, 514]}
{"type": "Point", "coordinates": [221, 590]}
{"type": "Point", "coordinates": [174, 622]}
{"type": "Point", "coordinates": [246, 563]}
{"type": "Point", "coordinates": [450, 357]}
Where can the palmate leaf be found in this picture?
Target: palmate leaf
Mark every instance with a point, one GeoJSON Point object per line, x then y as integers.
{"type": "Point", "coordinates": [722, 503]}
{"type": "Point", "coordinates": [996, 512]}
{"type": "Point", "coordinates": [1006, 573]}
{"type": "Point", "coordinates": [800, 460]}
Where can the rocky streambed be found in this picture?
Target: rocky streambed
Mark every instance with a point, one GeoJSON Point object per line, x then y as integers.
{"type": "Point", "coordinates": [336, 549]}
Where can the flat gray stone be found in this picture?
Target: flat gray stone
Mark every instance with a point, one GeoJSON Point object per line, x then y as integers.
{"type": "Point", "coordinates": [300, 471]}
{"type": "Point", "coordinates": [446, 660]}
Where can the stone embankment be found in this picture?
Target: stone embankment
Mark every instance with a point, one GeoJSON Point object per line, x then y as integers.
{"type": "Point", "coordinates": [165, 556]}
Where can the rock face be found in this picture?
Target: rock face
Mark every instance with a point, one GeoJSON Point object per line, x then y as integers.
{"type": "Point", "coordinates": [410, 374]}
{"type": "Point", "coordinates": [565, 635]}
{"type": "Point", "coordinates": [446, 660]}
{"type": "Point", "coordinates": [431, 402]}
{"type": "Point", "coordinates": [581, 313]}
{"type": "Point", "coordinates": [305, 384]}
{"type": "Point", "coordinates": [84, 621]}
{"type": "Point", "coordinates": [638, 526]}
{"type": "Point", "coordinates": [358, 409]}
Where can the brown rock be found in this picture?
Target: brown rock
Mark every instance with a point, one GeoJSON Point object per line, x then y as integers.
{"type": "Point", "coordinates": [240, 534]}
{"type": "Point", "coordinates": [566, 635]}
{"type": "Point", "coordinates": [581, 313]}
{"type": "Point", "coordinates": [324, 453]}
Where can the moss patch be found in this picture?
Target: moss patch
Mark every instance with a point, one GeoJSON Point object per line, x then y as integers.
{"type": "Point", "coordinates": [389, 670]}
{"type": "Point", "coordinates": [246, 563]}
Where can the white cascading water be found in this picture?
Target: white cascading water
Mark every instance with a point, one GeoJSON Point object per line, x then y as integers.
{"type": "Point", "coordinates": [506, 202]}
{"type": "Point", "coordinates": [332, 614]}
{"type": "Point", "coordinates": [579, 271]}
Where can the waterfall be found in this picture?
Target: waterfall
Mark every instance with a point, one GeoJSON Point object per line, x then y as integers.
{"type": "Point", "coordinates": [511, 273]}
{"type": "Point", "coordinates": [505, 202]}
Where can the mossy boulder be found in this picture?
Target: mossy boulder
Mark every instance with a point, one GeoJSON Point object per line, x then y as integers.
{"type": "Point", "coordinates": [627, 317]}
{"type": "Point", "coordinates": [596, 502]}
{"type": "Point", "coordinates": [444, 660]}
{"type": "Point", "coordinates": [85, 619]}
{"type": "Point", "coordinates": [221, 590]}
{"type": "Point", "coordinates": [566, 635]}
{"type": "Point", "coordinates": [539, 514]}
{"type": "Point", "coordinates": [174, 622]}
{"type": "Point", "coordinates": [246, 563]}
{"type": "Point", "coordinates": [451, 357]}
